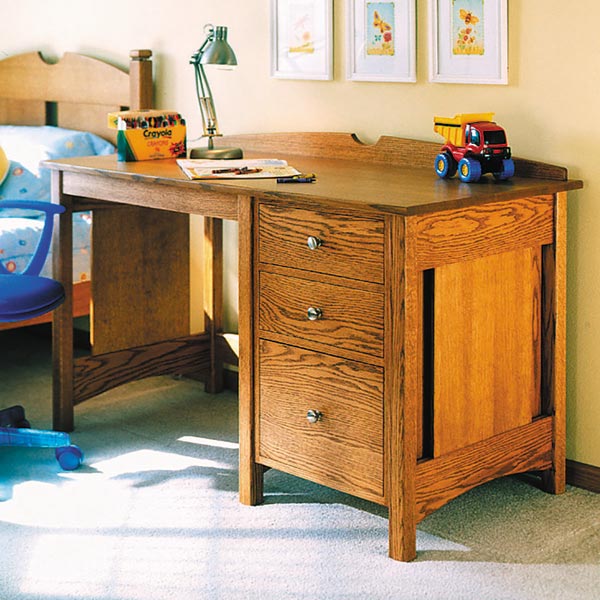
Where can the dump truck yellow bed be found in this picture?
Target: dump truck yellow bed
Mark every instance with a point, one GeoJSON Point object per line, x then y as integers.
{"type": "Point", "coordinates": [452, 129]}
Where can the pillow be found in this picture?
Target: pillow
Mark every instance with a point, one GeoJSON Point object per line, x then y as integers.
{"type": "Point", "coordinates": [4, 166]}
{"type": "Point", "coordinates": [30, 145]}
{"type": "Point", "coordinates": [25, 146]}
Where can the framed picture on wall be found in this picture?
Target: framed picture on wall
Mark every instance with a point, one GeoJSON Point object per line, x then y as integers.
{"type": "Point", "coordinates": [302, 39]}
{"type": "Point", "coordinates": [381, 40]}
{"type": "Point", "coordinates": [468, 41]}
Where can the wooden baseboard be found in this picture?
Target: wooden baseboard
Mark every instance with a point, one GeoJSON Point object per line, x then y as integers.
{"type": "Point", "coordinates": [583, 476]}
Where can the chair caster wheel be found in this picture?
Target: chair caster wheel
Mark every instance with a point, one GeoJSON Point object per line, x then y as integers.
{"type": "Point", "coordinates": [69, 457]}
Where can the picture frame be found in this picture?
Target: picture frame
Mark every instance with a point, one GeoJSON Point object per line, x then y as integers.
{"type": "Point", "coordinates": [381, 40]}
{"type": "Point", "coordinates": [468, 41]}
{"type": "Point", "coordinates": [302, 39]}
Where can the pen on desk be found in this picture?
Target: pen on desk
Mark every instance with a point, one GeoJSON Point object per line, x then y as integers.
{"type": "Point", "coordinates": [309, 178]}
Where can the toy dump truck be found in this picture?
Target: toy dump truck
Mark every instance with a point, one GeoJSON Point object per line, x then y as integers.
{"type": "Point", "coordinates": [475, 145]}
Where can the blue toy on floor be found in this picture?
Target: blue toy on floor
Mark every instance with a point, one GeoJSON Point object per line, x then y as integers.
{"type": "Point", "coordinates": [24, 296]}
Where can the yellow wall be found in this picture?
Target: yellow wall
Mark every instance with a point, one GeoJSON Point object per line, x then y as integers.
{"type": "Point", "coordinates": [548, 109]}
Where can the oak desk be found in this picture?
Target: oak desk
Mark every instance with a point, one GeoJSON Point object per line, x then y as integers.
{"type": "Point", "coordinates": [402, 337]}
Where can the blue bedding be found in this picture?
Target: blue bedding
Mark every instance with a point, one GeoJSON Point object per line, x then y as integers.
{"type": "Point", "coordinates": [19, 237]}
{"type": "Point", "coordinates": [25, 147]}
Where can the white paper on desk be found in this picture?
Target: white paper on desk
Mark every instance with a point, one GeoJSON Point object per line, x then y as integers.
{"type": "Point", "coordinates": [199, 168]}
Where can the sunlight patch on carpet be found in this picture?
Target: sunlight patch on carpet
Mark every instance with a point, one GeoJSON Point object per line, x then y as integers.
{"type": "Point", "coordinates": [107, 494]}
{"type": "Point", "coordinates": [193, 439]}
{"type": "Point", "coordinates": [153, 460]}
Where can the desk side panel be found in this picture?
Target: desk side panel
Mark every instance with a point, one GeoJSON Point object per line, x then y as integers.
{"type": "Point", "coordinates": [486, 347]}
{"type": "Point", "coordinates": [140, 277]}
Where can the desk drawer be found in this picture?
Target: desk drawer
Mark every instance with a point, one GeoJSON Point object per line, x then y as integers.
{"type": "Point", "coordinates": [344, 245]}
{"type": "Point", "coordinates": [342, 317]}
{"type": "Point", "coordinates": [344, 449]}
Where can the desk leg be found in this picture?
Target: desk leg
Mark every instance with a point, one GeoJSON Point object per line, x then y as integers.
{"type": "Point", "coordinates": [402, 390]}
{"type": "Point", "coordinates": [251, 473]}
{"type": "Point", "coordinates": [62, 320]}
{"type": "Point", "coordinates": [554, 346]}
{"type": "Point", "coordinates": [213, 297]}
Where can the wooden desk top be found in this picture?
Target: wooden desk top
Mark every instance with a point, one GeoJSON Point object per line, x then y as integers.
{"type": "Point", "coordinates": [362, 179]}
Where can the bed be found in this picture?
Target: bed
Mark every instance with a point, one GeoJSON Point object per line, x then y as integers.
{"type": "Point", "coordinates": [55, 111]}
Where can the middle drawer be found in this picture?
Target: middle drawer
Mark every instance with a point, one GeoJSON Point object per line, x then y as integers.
{"type": "Point", "coordinates": [339, 316]}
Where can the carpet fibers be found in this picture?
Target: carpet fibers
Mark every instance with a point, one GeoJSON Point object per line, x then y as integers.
{"type": "Point", "coordinates": [153, 514]}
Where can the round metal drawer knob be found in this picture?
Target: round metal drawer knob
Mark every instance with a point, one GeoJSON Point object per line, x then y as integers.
{"type": "Point", "coordinates": [313, 242]}
{"type": "Point", "coordinates": [312, 416]}
{"type": "Point", "coordinates": [314, 314]}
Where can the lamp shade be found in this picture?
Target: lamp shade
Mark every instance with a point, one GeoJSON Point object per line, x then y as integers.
{"type": "Point", "coordinates": [218, 51]}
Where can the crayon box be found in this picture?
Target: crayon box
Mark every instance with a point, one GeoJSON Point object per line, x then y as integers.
{"type": "Point", "coordinates": [148, 134]}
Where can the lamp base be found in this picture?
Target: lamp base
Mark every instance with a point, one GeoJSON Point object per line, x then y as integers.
{"type": "Point", "coordinates": [216, 153]}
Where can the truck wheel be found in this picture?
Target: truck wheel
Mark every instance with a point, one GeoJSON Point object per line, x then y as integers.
{"type": "Point", "coordinates": [469, 170]}
{"type": "Point", "coordinates": [445, 165]}
{"type": "Point", "coordinates": [508, 170]}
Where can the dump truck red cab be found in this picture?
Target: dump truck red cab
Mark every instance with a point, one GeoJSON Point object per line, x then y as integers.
{"type": "Point", "coordinates": [475, 145]}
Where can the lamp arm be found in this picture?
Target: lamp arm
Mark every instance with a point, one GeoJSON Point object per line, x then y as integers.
{"type": "Point", "coordinates": [206, 104]}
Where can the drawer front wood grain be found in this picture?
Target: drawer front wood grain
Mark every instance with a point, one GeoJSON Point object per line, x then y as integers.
{"type": "Point", "coordinates": [350, 246]}
{"type": "Point", "coordinates": [342, 317]}
{"type": "Point", "coordinates": [344, 450]}
{"type": "Point", "coordinates": [463, 234]}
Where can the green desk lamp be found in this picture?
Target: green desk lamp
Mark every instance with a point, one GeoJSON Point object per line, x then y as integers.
{"type": "Point", "coordinates": [214, 51]}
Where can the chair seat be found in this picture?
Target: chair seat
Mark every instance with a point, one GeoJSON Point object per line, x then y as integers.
{"type": "Point", "coordinates": [26, 296]}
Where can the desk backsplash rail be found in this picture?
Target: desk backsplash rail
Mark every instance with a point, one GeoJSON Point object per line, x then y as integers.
{"type": "Point", "coordinates": [387, 150]}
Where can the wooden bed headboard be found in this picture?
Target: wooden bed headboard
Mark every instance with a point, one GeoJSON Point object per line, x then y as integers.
{"type": "Point", "coordinates": [77, 92]}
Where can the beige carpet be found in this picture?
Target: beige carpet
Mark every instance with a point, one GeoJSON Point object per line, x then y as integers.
{"type": "Point", "coordinates": [153, 514]}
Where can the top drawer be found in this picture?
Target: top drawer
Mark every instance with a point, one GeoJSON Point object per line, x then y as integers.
{"type": "Point", "coordinates": [321, 242]}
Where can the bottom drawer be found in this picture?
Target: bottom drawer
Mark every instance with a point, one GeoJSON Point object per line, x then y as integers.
{"type": "Point", "coordinates": [344, 448]}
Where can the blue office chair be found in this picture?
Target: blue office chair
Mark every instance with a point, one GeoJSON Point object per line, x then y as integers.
{"type": "Point", "coordinates": [24, 296]}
